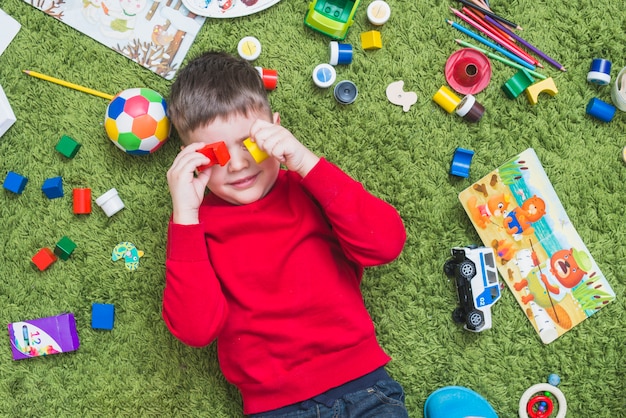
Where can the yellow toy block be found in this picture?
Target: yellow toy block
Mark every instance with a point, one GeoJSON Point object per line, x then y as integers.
{"type": "Point", "coordinates": [371, 40]}
{"type": "Point", "coordinates": [257, 153]}
{"type": "Point", "coordinates": [547, 86]}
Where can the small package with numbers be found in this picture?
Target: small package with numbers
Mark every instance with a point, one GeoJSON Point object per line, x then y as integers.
{"type": "Point", "coordinates": [43, 336]}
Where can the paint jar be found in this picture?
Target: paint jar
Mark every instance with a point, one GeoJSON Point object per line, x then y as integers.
{"type": "Point", "coordinates": [110, 202]}
{"type": "Point", "coordinates": [600, 72]}
{"type": "Point", "coordinates": [600, 110]}
{"type": "Point", "coordinates": [378, 12]}
{"type": "Point", "coordinates": [618, 91]}
{"type": "Point", "coordinates": [469, 109]}
{"type": "Point", "coordinates": [324, 75]}
{"type": "Point", "coordinates": [340, 54]}
{"type": "Point", "coordinates": [447, 99]}
{"type": "Point", "coordinates": [269, 77]}
{"type": "Point", "coordinates": [346, 92]}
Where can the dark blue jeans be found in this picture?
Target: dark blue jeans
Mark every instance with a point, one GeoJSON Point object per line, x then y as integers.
{"type": "Point", "coordinates": [384, 399]}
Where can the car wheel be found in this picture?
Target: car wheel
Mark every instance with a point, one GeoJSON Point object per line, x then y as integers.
{"type": "Point", "coordinates": [475, 320]}
{"type": "Point", "coordinates": [466, 269]}
{"type": "Point", "coordinates": [458, 315]}
{"type": "Point", "coordinates": [448, 267]}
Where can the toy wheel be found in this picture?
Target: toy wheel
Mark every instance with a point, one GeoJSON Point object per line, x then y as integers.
{"type": "Point", "coordinates": [536, 395]}
{"type": "Point", "coordinates": [466, 269]}
{"type": "Point", "coordinates": [458, 316]}
{"type": "Point", "coordinates": [448, 268]}
{"type": "Point", "coordinates": [475, 319]}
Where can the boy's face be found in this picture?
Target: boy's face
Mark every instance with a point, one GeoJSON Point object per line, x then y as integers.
{"type": "Point", "coordinates": [241, 180]}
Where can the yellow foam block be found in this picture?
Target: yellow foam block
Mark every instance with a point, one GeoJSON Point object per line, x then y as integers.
{"type": "Point", "coordinates": [257, 153]}
{"type": "Point", "coordinates": [546, 86]}
{"type": "Point", "coordinates": [371, 40]}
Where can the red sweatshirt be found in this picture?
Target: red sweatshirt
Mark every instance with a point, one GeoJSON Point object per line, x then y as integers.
{"type": "Point", "coordinates": [277, 282]}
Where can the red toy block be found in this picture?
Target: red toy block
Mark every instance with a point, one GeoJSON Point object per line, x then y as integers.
{"type": "Point", "coordinates": [217, 152]}
{"type": "Point", "coordinates": [44, 258]}
{"type": "Point", "coordinates": [82, 201]}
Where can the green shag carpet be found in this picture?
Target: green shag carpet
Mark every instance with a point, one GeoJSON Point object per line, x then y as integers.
{"type": "Point", "coordinates": [139, 369]}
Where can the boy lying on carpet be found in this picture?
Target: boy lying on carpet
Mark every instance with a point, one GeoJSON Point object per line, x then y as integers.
{"type": "Point", "coordinates": [270, 261]}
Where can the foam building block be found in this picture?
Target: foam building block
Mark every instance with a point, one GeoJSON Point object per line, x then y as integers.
{"type": "Point", "coordinates": [15, 182]}
{"type": "Point", "coordinates": [257, 153]}
{"type": "Point", "coordinates": [543, 86]}
{"type": "Point", "coordinates": [44, 258]}
{"type": "Point", "coordinates": [67, 146]}
{"type": "Point", "coordinates": [81, 201]}
{"type": "Point", "coordinates": [102, 315]}
{"type": "Point", "coordinates": [461, 162]}
{"type": "Point", "coordinates": [371, 40]}
{"type": "Point", "coordinates": [43, 336]}
{"type": "Point", "coordinates": [64, 248]}
{"type": "Point", "coordinates": [53, 187]}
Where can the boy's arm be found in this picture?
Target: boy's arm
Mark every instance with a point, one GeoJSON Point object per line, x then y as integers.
{"type": "Point", "coordinates": [369, 229]}
{"type": "Point", "coordinates": [194, 307]}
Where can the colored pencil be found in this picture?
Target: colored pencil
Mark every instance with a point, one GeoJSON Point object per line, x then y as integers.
{"type": "Point", "coordinates": [68, 84]}
{"type": "Point", "coordinates": [528, 45]}
{"type": "Point", "coordinates": [514, 49]}
{"type": "Point", "coordinates": [485, 5]}
{"type": "Point", "coordinates": [499, 58]}
{"type": "Point", "coordinates": [479, 17]}
{"type": "Point", "coordinates": [491, 14]}
{"type": "Point", "coordinates": [481, 3]}
{"type": "Point", "coordinates": [490, 44]}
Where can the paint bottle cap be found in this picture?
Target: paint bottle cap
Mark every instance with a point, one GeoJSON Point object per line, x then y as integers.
{"type": "Point", "coordinates": [340, 53]}
{"type": "Point", "coordinates": [249, 48]}
{"type": "Point", "coordinates": [378, 12]}
{"type": "Point", "coordinates": [600, 72]}
{"type": "Point", "coordinates": [346, 92]}
{"type": "Point", "coordinates": [324, 75]}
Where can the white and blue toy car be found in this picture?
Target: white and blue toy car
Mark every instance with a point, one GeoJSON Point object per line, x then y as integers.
{"type": "Point", "coordinates": [474, 269]}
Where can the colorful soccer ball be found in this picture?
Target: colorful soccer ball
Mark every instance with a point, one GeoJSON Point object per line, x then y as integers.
{"type": "Point", "coordinates": [136, 121]}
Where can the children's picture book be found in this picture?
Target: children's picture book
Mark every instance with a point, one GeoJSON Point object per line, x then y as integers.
{"type": "Point", "coordinates": [156, 34]}
{"type": "Point", "coordinates": [7, 117]}
{"type": "Point", "coordinates": [540, 255]}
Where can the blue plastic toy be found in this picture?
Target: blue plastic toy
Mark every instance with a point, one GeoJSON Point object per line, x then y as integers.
{"type": "Point", "coordinates": [461, 162]}
{"type": "Point", "coordinates": [457, 402]}
{"type": "Point", "coordinates": [53, 187]}
{"type": "Point", "coordinates": [15, 182]}
{"type": "Point", "coordinates": [600, 110]}
{"type": "Point", "coordinates": [102, 316]}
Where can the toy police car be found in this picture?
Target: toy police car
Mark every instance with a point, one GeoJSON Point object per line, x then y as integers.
{"type": "Point", "coordinates": [474, 269]}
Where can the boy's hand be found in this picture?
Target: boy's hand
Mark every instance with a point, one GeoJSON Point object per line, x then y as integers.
{"type": "Point", "coordinates": [279, 143]}
{"type": "Point", "coordinates": [187, 188]}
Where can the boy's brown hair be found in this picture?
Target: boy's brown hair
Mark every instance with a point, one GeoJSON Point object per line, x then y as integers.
{"type": "Point", "coordinates": [214, 85]}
